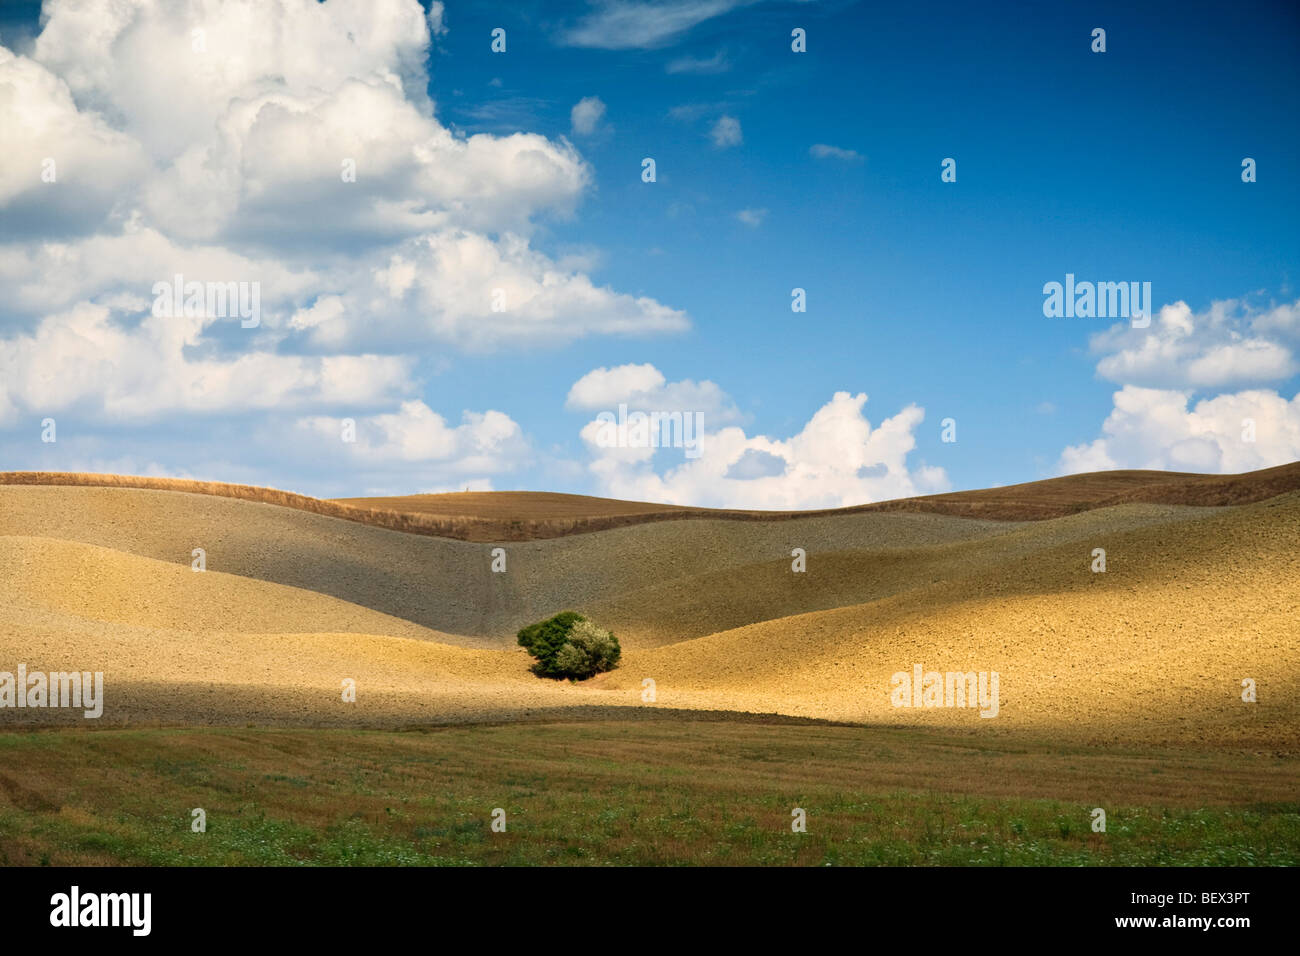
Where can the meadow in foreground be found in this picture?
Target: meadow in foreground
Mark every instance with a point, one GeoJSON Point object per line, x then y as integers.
{"type": "Point", "coordinates": [671, 791]}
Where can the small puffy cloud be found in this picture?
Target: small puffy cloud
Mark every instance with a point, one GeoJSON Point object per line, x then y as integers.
{"type": "Point", "coordinates": [602, 387]}
{"type": "Point", "coordinates": [752, 217]}
{"type": "Point", "coordinates": [644, 387]}
{"type": "Point", "coordinates": [483, 442]}
{"type": "Point", "coordinates": [1159, 429]}
{"type": "Point", "coordinates": [825, 151]}
{"type": "Point", "coordinates": [586, 115]}
{"type": "Point", "coordinates": [726, 132]}
{"type": "Point", "coordinates": [1230, 343]}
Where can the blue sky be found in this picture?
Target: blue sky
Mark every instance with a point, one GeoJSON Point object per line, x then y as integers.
{"type": "Point", "coordinates": [1115, 166]}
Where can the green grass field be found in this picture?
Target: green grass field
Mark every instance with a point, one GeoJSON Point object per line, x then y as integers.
{"type": "Point", "coordinates": [631, 792]}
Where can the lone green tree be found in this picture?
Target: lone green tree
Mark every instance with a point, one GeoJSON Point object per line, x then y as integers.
{"type": "Point", "coordinates": [569, 645]}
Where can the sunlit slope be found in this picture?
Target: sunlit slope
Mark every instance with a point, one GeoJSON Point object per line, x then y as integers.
{"type": "Point", "coordinates": [179, 646]}
{"type": "Point", "coordinates": [1010, 559]}
{"type": "Point", "coordinates": [99, 584]}
{"type": "Point", "coordinates": [1156, 648]}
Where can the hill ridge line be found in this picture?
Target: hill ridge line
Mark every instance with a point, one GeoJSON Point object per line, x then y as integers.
{"type": "Point", "coordinates": [1030, 501]}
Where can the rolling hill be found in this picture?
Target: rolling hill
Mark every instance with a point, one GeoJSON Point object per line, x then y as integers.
{"type": "Point", "coordinates": [1195, 598]}
{"type": "Point", "coordinates": [531, 515]}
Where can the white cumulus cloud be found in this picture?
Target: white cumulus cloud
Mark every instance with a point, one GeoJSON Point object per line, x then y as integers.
{"type": "Point", "coordinates": [1230, 343]}
{"type": "Point", "coordinates": [839, 458]}
{"type": "Point", "coordinates": [644, 387]}
{"type": "Point", "coordinates": [1163, 430]}
{"type": "Point", "coordinates": [290, 145]}
{"type": "Point", "coordinates": [1172, 412]}
{"type": "Point", "coordinates": [483, 442]}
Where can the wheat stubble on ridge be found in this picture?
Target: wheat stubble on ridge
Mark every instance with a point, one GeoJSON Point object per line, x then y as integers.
{"type": "Point", "coordinates": [1194, 599]}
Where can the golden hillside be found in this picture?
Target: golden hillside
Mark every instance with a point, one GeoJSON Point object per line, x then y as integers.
{"type": "Point", "coordinates": [1194, 599]}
